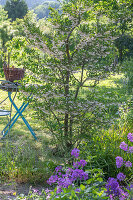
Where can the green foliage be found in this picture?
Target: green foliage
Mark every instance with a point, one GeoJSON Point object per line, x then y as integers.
{"type": "Point", "coordinates": [93, 188]}
{"type": "Point", "coordinates": [7, 31]}
{"type": "Point", "coordinates": [125, 46]}
{"type": "Point", "coordinates": [124, 28]}
{"type": "Point", "coordinates": [42, 10]}
{"type": "Point", "coordinates": [103, 148]}
{"type": "Point", "coordinates": [128, 70]}
{"type": "Point", "coordinates": [5, 35]}
{"type": "Point", "coordinates": [22, 164]}
{"type": "Point", "coordinates": [89, 191]}
{"type": "Point", "coordinates": [31, 3]}
{"type": "Point", "coordinates": [16, 9]}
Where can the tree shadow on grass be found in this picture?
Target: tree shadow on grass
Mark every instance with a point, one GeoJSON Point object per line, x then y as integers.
{"type": "Point", "coordinates": [26, 159]}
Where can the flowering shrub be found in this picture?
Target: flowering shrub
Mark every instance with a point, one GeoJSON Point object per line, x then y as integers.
{"type": "Point", "coordinates": [113, 186]}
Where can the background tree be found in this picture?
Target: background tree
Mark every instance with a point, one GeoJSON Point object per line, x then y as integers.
{"type": "Point", "coordinates": [8, 30]}
{"type": "Point", "coordinates": [43, 9]}
{"type": "Point", "coordinates": [5, 35]}
{"type": "Point", "coordinates": [16, 9]}
{"type": "Point", "coordinates": [121, 15]}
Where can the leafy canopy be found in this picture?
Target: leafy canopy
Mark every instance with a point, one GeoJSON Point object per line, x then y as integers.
{"type": "Point", "coordinates": [16, 9]}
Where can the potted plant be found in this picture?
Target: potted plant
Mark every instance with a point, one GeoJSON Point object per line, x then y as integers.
{"type": "Point", "coordinates": [12, 73]}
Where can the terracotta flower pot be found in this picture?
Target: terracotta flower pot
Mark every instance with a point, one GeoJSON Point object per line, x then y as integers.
{"type": "Point", "coordinates": [12, 74]}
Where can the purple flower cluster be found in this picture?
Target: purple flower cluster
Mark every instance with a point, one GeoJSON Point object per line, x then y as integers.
{"type": "Point", "coordinates": [65, 178]}
{"type": "Point", "coordinates": [58, 168]}
{"type": "Point", "coordinates": [130, 149]}
{"type": "Point", "coordinates": [79, 174]}
{"type": "Point", "coordinates": [64, 182]}
{"type": "Point", "coordinates": [121, 176]}
{"type": "Point", "coordinates": [114, 189]}
{"type": "Point", "coordinates": [128, 164]}
{"type": "Point", "coordinates": [130, 137]}
{"type": "Point", "coordinates": [123, 146]}
{"type": "Point", "coordinates": [80, 163]}
{"type": "Point", "coordinates": [52, 179]}
{"type": "Point", "coordinates": [119, 161]}
{"type": "Point", "coordinates": [75, 153]}
{"type": "Point", "coordinates": [112, 186]}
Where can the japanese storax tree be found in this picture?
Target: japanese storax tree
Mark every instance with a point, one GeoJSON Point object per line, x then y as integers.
{"type": "Point", "coordinates": [71, 51]}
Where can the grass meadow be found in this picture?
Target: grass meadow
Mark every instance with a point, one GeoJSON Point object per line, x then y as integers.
{"type": "Point", "coordinates": [23, 159]}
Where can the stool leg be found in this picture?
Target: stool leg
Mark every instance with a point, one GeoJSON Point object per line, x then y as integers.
{"type": "Point", "coordinates": [13, 120]}
{"type": "Point", "coordinates": [9, 124]}
{"type": "Point", "coordinates": [20, 114]}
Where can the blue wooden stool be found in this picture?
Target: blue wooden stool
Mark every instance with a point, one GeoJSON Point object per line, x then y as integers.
{"type": "Point", "coordinates": [10, 88]}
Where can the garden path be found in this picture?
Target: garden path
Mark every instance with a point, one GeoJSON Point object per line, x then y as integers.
{"type": "Point", "coordinates": [8, 191]}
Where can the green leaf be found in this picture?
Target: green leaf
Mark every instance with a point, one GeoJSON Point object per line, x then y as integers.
{"type": "Point", "coordinates": [82, 187]}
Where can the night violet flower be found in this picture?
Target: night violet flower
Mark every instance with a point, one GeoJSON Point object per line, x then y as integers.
{"type": "Point", "coordinates": [111, 197]}
{"type": "Point", "coordinates": [128, 164]}
{"type": "Point", "coordinates": [79, 174]}
{"type": "Point", "coordinates": [114, 190]}
{"type": "Point", "coordinates": [35, 190]}
{"type": "Point", "coordinates": [121, 176]}
{"type": "Point", "coordinates": [123, 196]}
{"type": "Point", "coordinates": [113, 187]}
{"type": "Point", "coordinates": [80, 163]}
{"type": "Point", "coordinates": [123, 146]}
{"type": "Point", "coordinates": [69, 176]}
{"type": "Point", "coordinates": [64, 182]}
{"type": "Point", "coordinates": [75, 152]}
{"type": "Point", "coordinates": [59, 190]}
{"type": "Point", "coordinates": [77, 190]}
{"type": "Point", "coordinates": [130, 137]}
{"type": "Point", "coordinates": [58, 168]}
{"type": "Point", "coordinates": [52, 179]}
{"type": "Point", "coordinates": [119, 161]}
{"type": "Point", "coordinates": [131, 149]}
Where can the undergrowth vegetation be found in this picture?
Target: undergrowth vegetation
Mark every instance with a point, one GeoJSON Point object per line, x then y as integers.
{"type": "Point", "coordinates": [23, 159]}
{"type": "Point", "coordinates": [78, 86]}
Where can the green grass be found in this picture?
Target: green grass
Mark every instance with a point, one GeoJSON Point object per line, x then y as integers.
{"type": "Point", "coordinates": [25, 160]}
{"type": "Point", "coordinates": [104, 144]}
{"type": "Point", "coordinates": [22, 158]}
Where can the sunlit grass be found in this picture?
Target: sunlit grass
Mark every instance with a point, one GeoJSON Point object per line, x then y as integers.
{"type": "Point", "coordinates": [34, 160]}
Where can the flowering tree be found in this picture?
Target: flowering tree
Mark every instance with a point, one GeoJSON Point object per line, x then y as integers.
{"type": "Point", "coordinates": [73, 50]}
